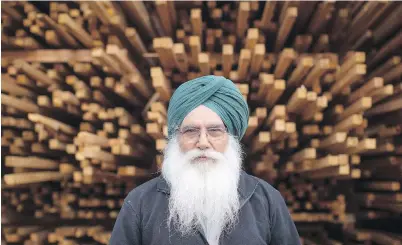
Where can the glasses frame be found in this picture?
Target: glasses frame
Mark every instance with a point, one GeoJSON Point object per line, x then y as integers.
{"type": "Point", "coordinates": [200, 131]}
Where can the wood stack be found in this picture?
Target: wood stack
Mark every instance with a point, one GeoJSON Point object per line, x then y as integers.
{"type": "Point", "coordinates": [86, 86]}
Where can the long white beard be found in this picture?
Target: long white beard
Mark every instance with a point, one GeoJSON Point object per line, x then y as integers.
{"type": "Point", "coordinates": [203, 193]}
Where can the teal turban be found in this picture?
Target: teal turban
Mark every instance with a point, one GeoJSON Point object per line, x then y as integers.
{"type": "Point", "coordinates": [215, 92]}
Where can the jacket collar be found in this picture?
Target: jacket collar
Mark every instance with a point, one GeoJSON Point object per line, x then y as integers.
{"type": "Point", "coordinates": [246, 188]}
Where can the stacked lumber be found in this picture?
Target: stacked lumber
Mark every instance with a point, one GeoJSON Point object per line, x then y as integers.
{"type": "Point", "coordinates": [86, 87]}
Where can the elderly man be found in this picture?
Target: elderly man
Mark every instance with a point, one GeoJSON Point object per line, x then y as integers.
{"type": "Point", "coordinates": [203, 196]}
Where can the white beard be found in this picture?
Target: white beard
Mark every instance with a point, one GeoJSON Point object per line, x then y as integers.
{"type": "Point", "coordinates": [203, 194]}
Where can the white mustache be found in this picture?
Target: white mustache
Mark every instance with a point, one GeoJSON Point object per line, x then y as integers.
{"type": "Point", "coordinates": [211, 154]}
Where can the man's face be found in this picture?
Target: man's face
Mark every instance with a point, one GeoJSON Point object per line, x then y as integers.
{"type": "Point", "coordinates": [203, 129]}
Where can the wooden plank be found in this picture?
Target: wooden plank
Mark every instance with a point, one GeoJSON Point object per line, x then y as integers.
{"type": "Point", "coordinates": [10, 86]}
{"type": "Point", "coordinates": [266, 82]}
{"type": "Point", "coordinates": [160, 83]}
{"type": "Point", "coordinates": [33, 72]}
{"type": "Point", "coordinates": [195, 46]}
{"type": "Point", "coordinates": [48, 55]}
{"type": "Point", "coordinates": [285, 59]}
{"type": "Point", "coordinates": [242, 18]}
{"type": "Point", "coordinates": [285, 28]}
{"type": "Point", "coordinates": [19, 104]}
{"type": "Point", "coordinates": [389, 106]}
{"type": "Point", "coordinates": [386, 66]}
{"type": "Point", "coordinates": [366, 88]}
{"type": "Point", "coordinates": [304, 65]}
{"type": "Point", "coordinates": [297, 100]}
{"type": "Point", "coordinates": [353, 75]}
{"type": "Point", "coordinates": [349, 123]}
{"type": "Point", "coordinates": [268, 13]}
{"type": "Point", "coordinates": [164, 15]}
{"type": "Point", "coordinates": [244, 63]}
{"type": "Point", "coordinates": [76, 30]}
{"type": "Point", "coordinates": [257, 58]}
{"type": "Point", "coordinates": [359, 106]}
{"type": "Point", "coordinates": [138, 15]}
{"type": "Point", "coordinates": [227, 59]}
{"type": "Point", "coordinates": [275, 92]}
{"type": "Point", "coordinates": [203, 61]}
{"type": "Point", "coordinates": [180, 57]}
{"type": "Point", "coordinates": [30, 162]}
{"type": "Point", "coordinates": [321, 66]}
{"type": "Point", "coordinates": [60, 30]}
{"type": "Point", "coordinates": [252, 38]}
{"type": "Point", "coordinates": [196, 22]}
{"type": "Point", "coordinates": [52, 123]}
{"type": "Point", "coordinates": [33, 177]}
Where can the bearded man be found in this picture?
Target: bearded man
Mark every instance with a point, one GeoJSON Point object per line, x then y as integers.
{"type": "Point", "coordinates": [203, 196]}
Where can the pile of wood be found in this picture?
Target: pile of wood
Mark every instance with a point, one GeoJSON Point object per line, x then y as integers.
{"type": "Point", "coordinates": [86, 87]}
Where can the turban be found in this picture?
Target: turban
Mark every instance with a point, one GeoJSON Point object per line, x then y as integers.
{"type": "Point", "coordinates": [215, 92]}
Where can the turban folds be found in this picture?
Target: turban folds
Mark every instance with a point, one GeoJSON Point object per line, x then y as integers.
{"type": "Point", "coordinates": [215, 92]}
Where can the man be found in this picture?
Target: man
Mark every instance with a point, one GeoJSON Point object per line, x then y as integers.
{"type": "Point", "coordinates": [203, 196]}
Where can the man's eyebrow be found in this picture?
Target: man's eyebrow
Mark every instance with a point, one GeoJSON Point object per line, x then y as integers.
{"type": "Point", "coordinates": [189, 127]}
{"type": "Point", "coordinates": [217, 125]}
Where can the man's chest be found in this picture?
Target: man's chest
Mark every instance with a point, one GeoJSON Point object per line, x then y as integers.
{"type": "Point", "coordinates": [251, 229]}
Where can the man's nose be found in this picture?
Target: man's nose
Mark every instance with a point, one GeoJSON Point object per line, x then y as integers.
{"type": "Point", "coordinates": [203, 142]}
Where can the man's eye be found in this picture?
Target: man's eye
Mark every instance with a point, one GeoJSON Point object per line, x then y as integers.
{"type": "Point", "coordinates": [215, 130]}
{"type": "Point", "coordinates": [191, 130]}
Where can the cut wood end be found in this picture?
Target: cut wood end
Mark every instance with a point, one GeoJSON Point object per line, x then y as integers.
{"type": "Point", "coordinates": [311, 96]}
{"type": "Point", "coordinates": [253, 121]}
{"type": "Point", "coordinates": [322, 102]}
{"type": "Point", "coordinates": [360, 57]}
{"type": "Point", "coordinates": [307, 61]}
{"type": "Point", "coordinates": [357, 119]}
{"type": "Point", "coordinates": [291, 12]}
{"type": "Point", "coordinates": [227, 49]}
{"type": "Point", "coordinates": [279, 125]}
{"type": "Point", "coordinates": [156, 71]}
{"type": "Point", "coordinates": [63, 18]}
{"type": "Point", "coordinates": [178, 48]}
{"type": "Point", "coordinates": [112, 49]}
{"type": "Point", "coordinates": [203, 58]}
{"type": "Point", "coordinates": [167, 42]}
{"type": "Point", "coordinates": [264, 136]}
{"type": "Point", "coordinates": [324, 63]}
{"type": "Point", "coordinates": [261, 112]}
{"type": "Point", "coordinates": [340, 136]}
{"type": "Point", "coordinates": [396, 60]}
{"type": "Point", "coordinates": [194, 41]}
{"type": "Point", "coordinates": [161, 2]}
{"type": "Point", "coordinates": [378, 81]}
{"type": "Point", "coordinates": [245, 6]}
{"type": "Point", "coordinates": [289, 52]}
{"type": "Point", "coordinates": [280, 84]}
{"type": "Point", "coordinates": [290, 127]}
{"type": "Point", "coordinates": [259, 49]}
{"type": "Point", "coordinates": [360, 69]}
{"type": "Point", "coordinates": [97, 52]}
{"type": "Point", "coordinates": [252, 33]}
{"type": "Point", "coordinates": [266, 78]}
{"type": "Point", "coordinates": [157, 42]}
{"type": "Point", "coordinates": [195, 13]}
{"type": "Point", "coordinates": [245, 54]}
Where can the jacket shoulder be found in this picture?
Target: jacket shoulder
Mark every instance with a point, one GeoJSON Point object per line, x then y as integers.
{"type": "Point", "coordinates": [142, 191]}
{"type": "Point", "coordinates": [273, 196]}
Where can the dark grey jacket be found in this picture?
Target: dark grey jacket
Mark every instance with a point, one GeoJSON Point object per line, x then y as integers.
{"type": "Point", "coordinates": [263, 218]}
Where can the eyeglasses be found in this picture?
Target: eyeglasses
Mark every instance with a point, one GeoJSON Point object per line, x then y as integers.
{"type": "Point", "coordinates": [192, 134]}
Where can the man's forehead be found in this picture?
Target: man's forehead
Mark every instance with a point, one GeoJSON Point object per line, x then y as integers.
{"type": "Point", "coordinates": [202, 116]}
